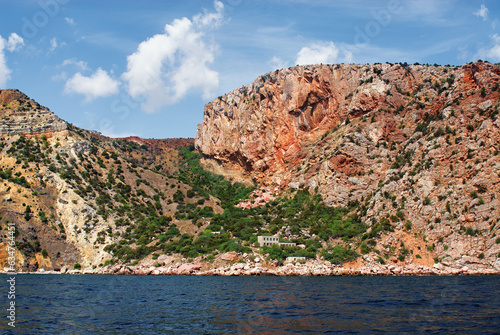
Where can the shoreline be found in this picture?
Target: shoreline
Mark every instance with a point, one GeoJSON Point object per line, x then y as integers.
{"type": "Point", "coordinates": [290, 269]}
{"type": "Point", "coordinates": [236, 264]}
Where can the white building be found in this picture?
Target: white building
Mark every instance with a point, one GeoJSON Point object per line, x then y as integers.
{"type": "Point", "coordinates": [268, 240]}
{"type": "Point", "coordinates": [274, 239]}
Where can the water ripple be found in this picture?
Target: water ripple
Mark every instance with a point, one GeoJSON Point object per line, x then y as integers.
{"type": "Point", "coordinates": [255, 305]}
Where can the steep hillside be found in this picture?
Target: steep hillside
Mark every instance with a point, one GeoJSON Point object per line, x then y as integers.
{"type": "Point", "coordinates": [358, 169]}
{"type": "Point", "coordinates": [71, 193]}
{"type": "Point", "coordinates": [413, 148]}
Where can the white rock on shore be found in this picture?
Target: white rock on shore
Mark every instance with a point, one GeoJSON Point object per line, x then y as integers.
{"type": "Point", "coordinates": [260, 267]}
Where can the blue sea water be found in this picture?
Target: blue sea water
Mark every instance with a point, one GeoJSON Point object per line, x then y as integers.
{"type": "Point", "coordinates": [91, 304]}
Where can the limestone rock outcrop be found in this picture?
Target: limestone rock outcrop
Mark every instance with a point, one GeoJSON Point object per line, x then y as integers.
{"type": "Point", "coordinates": [21, 115]}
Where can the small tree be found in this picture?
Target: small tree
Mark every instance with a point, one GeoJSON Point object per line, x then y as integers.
{"type": "Point", "coordinates": [27, 213]}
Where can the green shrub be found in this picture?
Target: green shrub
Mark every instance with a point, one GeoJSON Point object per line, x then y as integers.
{"type": "Point", "coordinates": [469, 231]}
{"type": "Point", "coordinates": [394, 218]}
{"type": "Point", "coordinates": [404, 252]}
{"type": "Point", "coordinates": [43, 217]}
{"type": "Point", "coordinates": [364, 248]}
{"type": "Point", "coordinates": [178, 196]}
{"type": "Point", "coordinates": [27, 213]}
{"type": "Point", "coordinates": [339, 254]}
{"type": "Point", "coordinates": [439, 132]}
{"type": "Point", "coordinates": [401, 215]}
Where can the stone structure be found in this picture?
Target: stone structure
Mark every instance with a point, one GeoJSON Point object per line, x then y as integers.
{"type": "Point", "coordinates": [274, 239]}
{"type": "Point", "coordinates": [268, 240]}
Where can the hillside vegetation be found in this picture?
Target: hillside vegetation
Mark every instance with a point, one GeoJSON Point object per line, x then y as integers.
{"type": "Point", "coordinates": [355, 165]}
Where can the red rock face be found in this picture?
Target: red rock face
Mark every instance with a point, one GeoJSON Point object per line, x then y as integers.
{"type": "Point", "coordinates": [262, 129]}
{"type": "Point", "coordinates": [262, 126]}
{"type": "Point", "coordinates": [421, 141]}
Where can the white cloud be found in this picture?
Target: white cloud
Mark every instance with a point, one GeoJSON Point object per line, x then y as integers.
{"type": "Point", "coordinates": [208, 18]}
{"type": "Point", "coordinates": [78, 63]}
{"type": "Point", "coordinates": [98, 85]}
{"type": "Point", "coordinates": [491, 53]}
{"type": "Point", "coordinates": [4, 70]}
{"type": "Point", "coordinates": [15, 42]}
{"type": "Point", "coordinates": [167, 66]}
{"type": "Point", "coordinates": [482, 12]}
{"type": "Point", "coordinates": [323, 52]}
{"type": "Point", "coordinates": [53, 44]}
{"type": "Point", "coordinates": [70, 21]}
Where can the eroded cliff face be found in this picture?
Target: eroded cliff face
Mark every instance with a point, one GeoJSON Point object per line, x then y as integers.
{"type": "Point", "coordinates": [263, 127]}
{"type": "Point", "coordinates": [419, 141]}
{"type": "Point", "coordinates": [21, 115]}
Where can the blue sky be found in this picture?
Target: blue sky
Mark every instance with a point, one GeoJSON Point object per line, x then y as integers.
{"type": "Point", "coordinates": [148, 67]}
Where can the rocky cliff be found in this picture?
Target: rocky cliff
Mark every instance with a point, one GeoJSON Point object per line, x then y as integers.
{"type": "Point", "coordinates": [363, 169]}
{"type": "Point", "coordinates": [70, 192]}
{"type": "Point", "coordinates": [21, 115]}
{"type": "Point", "coordinates": [414, 145]}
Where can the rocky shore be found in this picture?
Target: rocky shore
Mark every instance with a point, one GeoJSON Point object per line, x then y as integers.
{"type": "Point", "coordinates": [233, 264]}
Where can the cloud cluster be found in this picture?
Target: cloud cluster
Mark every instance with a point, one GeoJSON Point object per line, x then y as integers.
{"type": "Point", "coordinates": [323, 53]}
{"type": "Point", "coordinates": [492, 52]}
{"type": "Point", "coordinates": [13, 43]}
{"type": "Point", "coordinates": [4, 70]}
{"type": "Point", "coordinates": [78, 63]}
{"type": "Point", "coordinates": [167, 66]}
{"type": "Point", "coordinates": [482, 12]}
{"type": "Point", "coordinates": [99, 84]}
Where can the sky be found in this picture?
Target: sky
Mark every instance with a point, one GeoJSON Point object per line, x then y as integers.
{"type": "Point", "coordinates": [147, 68]}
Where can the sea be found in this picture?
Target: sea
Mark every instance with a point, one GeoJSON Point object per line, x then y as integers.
{"type": "Point", "coordinates": [111, 304]}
